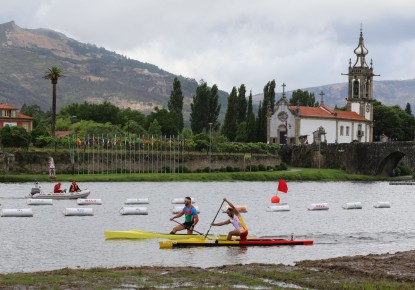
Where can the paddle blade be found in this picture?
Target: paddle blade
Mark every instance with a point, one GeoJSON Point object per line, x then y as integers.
{"type": "Point", "coordinates": [282, 186]}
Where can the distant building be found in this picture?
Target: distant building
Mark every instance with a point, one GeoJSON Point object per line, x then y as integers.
{"type": "Point", "coordinates": [305, 125]}
{"type": "Point", "coordinates": [10, 117]}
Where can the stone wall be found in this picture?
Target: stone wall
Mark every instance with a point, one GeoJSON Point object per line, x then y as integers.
{"type": "Point", "coordinates": [37, 162]}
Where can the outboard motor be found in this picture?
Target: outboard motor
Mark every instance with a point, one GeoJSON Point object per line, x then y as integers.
{"type": "Point", "coordinates": [35, 190]}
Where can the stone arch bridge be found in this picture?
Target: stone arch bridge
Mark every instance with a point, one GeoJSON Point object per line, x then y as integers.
{"type": "Point", "coordinates": [361, 158]}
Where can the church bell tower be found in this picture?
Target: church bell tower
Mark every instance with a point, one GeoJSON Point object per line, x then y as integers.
{"type": "Point", "coordinates": [360, 96]}
{"type": "Point", "coordinates": [360, 88]}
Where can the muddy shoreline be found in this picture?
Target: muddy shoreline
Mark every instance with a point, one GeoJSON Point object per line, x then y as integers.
{"type": "Point", "coordinates": [384, 271]}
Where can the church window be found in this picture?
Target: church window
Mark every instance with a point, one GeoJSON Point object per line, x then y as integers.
{"type": "Point", "coordinates": [355, 89]}
{"type": "Point", "coordinates": [347, 130]}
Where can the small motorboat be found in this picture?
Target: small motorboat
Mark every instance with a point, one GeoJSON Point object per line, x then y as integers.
{"type": "Point", "coordinates": [37, 193]}
{"type": "Point", "coordinates": [63, 195]}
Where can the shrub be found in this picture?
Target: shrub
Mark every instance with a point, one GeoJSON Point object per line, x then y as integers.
{"type": "Point", "coordinates": [261, 167]}
{"type": "Point", "coordinates": [182, 169]}
{"type": "Point", "coordinates": [404, 170]}
{"type": "Point", "coordinates": [252, 168]}
{"type": "Point", "coordinates": [229, 169]}
{"type": "Point", "coordinates": [283, 166]}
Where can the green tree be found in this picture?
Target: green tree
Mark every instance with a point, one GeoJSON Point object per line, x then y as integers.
{"type": "Point", "coordinates": [199, 108]}
{"type": "Point", "coordinates": [261, 124]}
{"type": "Point", "coordinates": [250, 121]}
{"type": "Point", "coordinates": [241, 133]}
{"type": "Point", "coordinates": [176, 102]}
{"type": "Point", "coordinates": [408, 108]}
{"type": "Point", "coordinates": [214, 108]}
{"type": "Point", "coordinates": [168, 121]}
{"type": "Point", "coordinates": [303, 98]}
{"type": "Point", "coordinates": [101, 113]}
{"type": "Point", "coordinates": [14, 137]}
{"type": "Point", "coordinates": [231, 116]}
{"type": "Point", "coordinates": [53, 74]}
{"type": "Point", "coordinates": [242, 103]}
{"type": "Point", "coordinates": [266, 108]}
{"type": "Point", "coordinates": [154, 128]}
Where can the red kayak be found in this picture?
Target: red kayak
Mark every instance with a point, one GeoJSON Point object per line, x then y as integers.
{"type": "Point", "coordinates": [223, 243]}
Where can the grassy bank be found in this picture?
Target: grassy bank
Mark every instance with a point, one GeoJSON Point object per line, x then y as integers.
{"type": "Point", "coordinates": [304, 174]}
{"type": "Point", "coordinates": [252, 276]}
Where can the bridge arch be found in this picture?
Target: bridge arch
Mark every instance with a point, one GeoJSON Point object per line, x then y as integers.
{"type": "Point", "coordinates": [389, 163]}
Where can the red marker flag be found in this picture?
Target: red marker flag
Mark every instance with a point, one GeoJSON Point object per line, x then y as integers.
{"type": "Point", "coordinates": [282, 186]}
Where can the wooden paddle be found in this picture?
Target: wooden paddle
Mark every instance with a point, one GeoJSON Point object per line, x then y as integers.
{"type": "Point", "coordinates": [188, 228]}
{"type": "Point", "coordinates": [214, 218]}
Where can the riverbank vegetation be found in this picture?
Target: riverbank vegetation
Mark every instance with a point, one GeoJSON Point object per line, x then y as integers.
{"type": "Point", "coordinates": [303, 174]}
{"type": "Point", "coordinates": [387, 271]}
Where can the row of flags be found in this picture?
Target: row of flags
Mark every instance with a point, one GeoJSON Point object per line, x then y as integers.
{"type": "Point", "coordinates": [112, 142]}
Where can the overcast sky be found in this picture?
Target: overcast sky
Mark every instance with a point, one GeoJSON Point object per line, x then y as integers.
{"type": "Point", "coordinates": [303, 43]}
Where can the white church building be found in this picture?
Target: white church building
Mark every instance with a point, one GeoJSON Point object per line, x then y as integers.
{"type": "Point", "coordinates": [289, 124]}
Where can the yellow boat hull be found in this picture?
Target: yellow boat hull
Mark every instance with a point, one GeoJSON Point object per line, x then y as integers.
{"type": "Point", "coordinates": [138, 234]}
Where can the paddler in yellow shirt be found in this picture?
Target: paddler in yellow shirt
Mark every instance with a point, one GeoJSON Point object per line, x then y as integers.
{"type": "Point", "coordinates": [236, 220]}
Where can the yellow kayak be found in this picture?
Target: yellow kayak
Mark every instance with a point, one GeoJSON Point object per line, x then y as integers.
{"type": "Point", "coordinates": [138, 234]}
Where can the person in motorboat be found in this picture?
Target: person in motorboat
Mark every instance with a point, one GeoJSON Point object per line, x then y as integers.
{"type": "Point", "coordinates": [236, 220]}
{"type": "Point", "coordinates": [57, 188]}
{"type": "Point", "coordinates": [74, 187]}
{"type": "Point", "coordinates": [190, 217]}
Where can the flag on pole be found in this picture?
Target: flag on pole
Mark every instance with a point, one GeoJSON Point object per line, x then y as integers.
{"type": "Point", "coordinates": [282, 186]}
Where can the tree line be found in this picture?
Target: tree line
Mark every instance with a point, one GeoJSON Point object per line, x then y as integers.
{"type": "Point", "coordinates": [241, 123]}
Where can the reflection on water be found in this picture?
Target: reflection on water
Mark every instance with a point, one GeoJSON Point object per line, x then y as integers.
{"type": "Point", "coordinates": [49, 240]}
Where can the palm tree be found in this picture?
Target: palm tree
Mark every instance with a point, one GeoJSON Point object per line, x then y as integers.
{"type": "Point", "coordinates": [53, 74]}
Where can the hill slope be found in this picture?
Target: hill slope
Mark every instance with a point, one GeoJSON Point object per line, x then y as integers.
{"type": "Point", "coordinates": [91, 74]}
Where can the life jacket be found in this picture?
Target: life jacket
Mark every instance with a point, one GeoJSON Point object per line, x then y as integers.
{"type": "Point", "coordinates": [56, 189]}
{"type": "Point", "coordinates": [188, 211]}
{"type": "Point", "coordinates": [74, 188]}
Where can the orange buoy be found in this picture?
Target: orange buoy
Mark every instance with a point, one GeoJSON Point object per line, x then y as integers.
{"type": "Point", "coordinates": [275, 199]}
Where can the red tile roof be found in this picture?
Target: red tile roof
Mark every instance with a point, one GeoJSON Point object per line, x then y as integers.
{"type": "Point", "coordinates": [325, 112]}
{"type": "Point", "coordinates": [22, 116]}
{"type": "Point", "coordinates": [7, 107]}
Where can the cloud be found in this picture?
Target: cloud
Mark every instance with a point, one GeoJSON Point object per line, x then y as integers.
{"type": "Point", "coordinates": [302, 43]}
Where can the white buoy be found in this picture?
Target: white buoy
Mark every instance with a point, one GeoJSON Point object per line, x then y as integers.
{"type": "Point", "coordinates": [240, 208]}
{"type": "Point", "coordinates": [352, 205]}
{"type": "Point", "coordinates": [84, 211]}
{"type": "Point", "coordinates": [32, 201]}
{"type": "Point", "coordinates": [144, 200]}
{"type": "Point", "coordinates": [19, 212]}
{"type": "Point", "coordinates": [382, 204]}
{"type": "Point", "coordinates": [279, 207]}
{"type": "Point", "coordinates": [181, 200]}
{"type": "Point", "coordinates": [318, 206]}
{"type": "Point", "coordinates": [179, 208]}
{"type": "Point", "coordinates": [82, 201]}
{"type": "Point", "coordinates": [134, 211]}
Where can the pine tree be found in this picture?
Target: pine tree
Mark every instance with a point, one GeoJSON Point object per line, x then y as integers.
{"type": "Point", "coordinates": [231, 116]}
{"type": "Point", "coordinates": [214, 108]}
{"type": "Point", "coordinates": [271, 94]}
{"type": "Point", "coordinates": [259, 124]}
{"type": "Point", "coordinates": [241, 104]}
{"type": "Point", "coordinates": [200, 109]}
{"type": "Point", "coordinates": [408, 108]}
{"type": "Point", "coordinates": [250, 121]}
{"type": "Point", "coordinates": [176, 102]}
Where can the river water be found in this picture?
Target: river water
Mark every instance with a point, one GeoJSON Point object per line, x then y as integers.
{"type": "Point", "coordinates": [49, 240]}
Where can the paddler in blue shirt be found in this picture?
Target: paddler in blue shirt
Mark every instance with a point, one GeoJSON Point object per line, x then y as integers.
{"type": "Point", "coordinates": [236, 220]}
{"type": "Point", "coordinates": [190, 217]}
